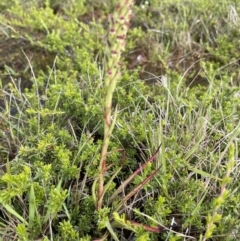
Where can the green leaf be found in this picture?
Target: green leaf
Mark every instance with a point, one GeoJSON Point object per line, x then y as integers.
{"type": "Point", "coordinates": [32, 206]}
{"type": "Point", "coordinates": [111, 231]}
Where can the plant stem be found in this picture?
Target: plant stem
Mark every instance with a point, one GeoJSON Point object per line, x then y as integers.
{"type": "Point", "coordinates": [119, 24]}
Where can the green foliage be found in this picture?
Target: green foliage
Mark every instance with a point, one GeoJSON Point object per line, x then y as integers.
{"type": "Point", "coordinates": [67, 231]}
{"type": "Point", "coordinates": [22, 232]}
{"type": "Point", "coordinates": [179, 88]}
{"type": "Point", "coordinates": [15, 185]}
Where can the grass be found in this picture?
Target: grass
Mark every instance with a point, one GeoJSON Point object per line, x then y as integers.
{"type": "Point", "coordinates": [151, 154]}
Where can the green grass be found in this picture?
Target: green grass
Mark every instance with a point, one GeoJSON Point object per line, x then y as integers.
{"type": "Point", "coordinates": [172, 143]}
